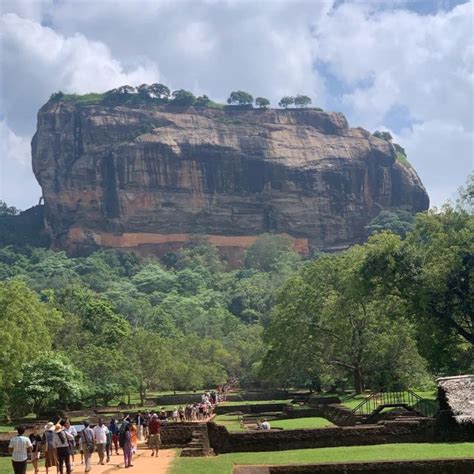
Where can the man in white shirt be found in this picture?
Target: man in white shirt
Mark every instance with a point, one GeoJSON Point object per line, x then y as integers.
{"type": "Point", "coordinates": [265, 425]}
{"type": "Point", "coordinates": [20, 446]}
{"type": "Point", "coordinates": [100, 438]}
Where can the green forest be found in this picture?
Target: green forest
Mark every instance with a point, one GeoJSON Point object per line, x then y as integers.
{"type": "Point", "coordinates": [394, 312]}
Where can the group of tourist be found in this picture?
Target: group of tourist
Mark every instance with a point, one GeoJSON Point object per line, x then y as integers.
{"type": "Point", "coordinates": [61, 442]}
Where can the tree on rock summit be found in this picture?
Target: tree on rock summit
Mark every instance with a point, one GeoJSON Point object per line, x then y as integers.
{"type": "Point", "coordinates": [302, 100]}
{"type": "Point", "coordinates": [286, 101]}
{"type": "Point", "coordinates": [240, 98]}
{"type": "Point", "coordinates": [262, 103]}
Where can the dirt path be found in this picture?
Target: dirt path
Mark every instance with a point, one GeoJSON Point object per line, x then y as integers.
{"type": "Point", "coordinates": [143, 463]}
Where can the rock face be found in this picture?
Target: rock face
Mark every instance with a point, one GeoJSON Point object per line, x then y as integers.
{"type": "Point", "coordinates": [147, 177]}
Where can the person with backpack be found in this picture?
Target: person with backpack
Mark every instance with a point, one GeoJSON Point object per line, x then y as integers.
{"type": "Point", "coordinates": [87, 442]}
{"type": "Point", "coordinates": [50, 454]}
{"type": "Point", "coordinates": [61, 442]}
{"type": "Point", "coordinates": [114, 429]}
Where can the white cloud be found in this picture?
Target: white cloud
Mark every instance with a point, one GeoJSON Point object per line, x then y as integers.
{"type": "Point", "coordinates": [421, 63]}
{"type": "Point", "coordinates": [37, 61]}
{"type": "Point", "coordinates": [443, 152]}
{"type": "Point", "coordinates": [386, 57]}
{"type": "Point", "coordinates": [18, 185]}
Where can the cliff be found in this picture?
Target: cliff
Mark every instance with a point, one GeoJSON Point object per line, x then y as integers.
{"type": "Point", "coordinates": [146, 177]}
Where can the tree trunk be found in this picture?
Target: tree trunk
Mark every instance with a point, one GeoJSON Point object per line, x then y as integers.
{"type": "Point", "coordinates": [358, 382]}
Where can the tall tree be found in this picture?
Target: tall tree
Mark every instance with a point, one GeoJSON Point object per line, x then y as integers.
{"type": "Point", "coordinates": [27, 327]}
{"type": "Point", "coordinates": [286, 101]}
{"type": "Point", "coordinates": [302, 101]}
{"type": "Point", "coordinates": [240, 98]}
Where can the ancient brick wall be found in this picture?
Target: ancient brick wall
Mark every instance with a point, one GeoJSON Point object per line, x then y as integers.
{"type": "Point", "coordinates": [438, 466]}
{"type": "Point", "coordinates": [390, 432]}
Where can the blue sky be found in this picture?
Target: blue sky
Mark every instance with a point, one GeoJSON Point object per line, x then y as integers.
{"type": "Point", "coordinates": [404, 66]}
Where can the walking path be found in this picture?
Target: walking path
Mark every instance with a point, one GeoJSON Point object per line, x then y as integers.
{"type": "Point", "coordinates": [143, 463]}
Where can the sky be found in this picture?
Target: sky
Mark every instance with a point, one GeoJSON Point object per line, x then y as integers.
{"type": "Point", "coordinates": [406, 66]}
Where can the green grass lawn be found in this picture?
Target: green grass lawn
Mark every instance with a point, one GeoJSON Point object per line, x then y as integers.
{"type": "Point", "coordinates": [231, 422]}
{"type": "Point", "coordinates": [258, 402]}
{"type": "Point", "coordinates": [301, 423]}
{"type": "Point", "coordinates": [223, 464]}
{"type": "Point", "coordinates": [6, 465]}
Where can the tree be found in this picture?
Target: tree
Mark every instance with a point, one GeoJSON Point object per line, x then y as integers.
{"type": "Point", "coordinates": [151, 360]}
{"type": "Point", "coordinates": [27, 327]}
{"type": "Point", "coordinates": [383, 135]}
{"type": "Point", "coordinates": [202, 101]}
{"type": "Point", "coordinates": [160, 90]}
{"type": "Point", "coordinates": [346, 325]}
{"type": "Point", "coordinates": [262, 103]}
{"type": "Point", "coordinates": [286, 101]}
{"type": "Point", "coordinates": [50, 381]}
{"type": "Point", "coordinates": [183, 97]}
{"type": "Point", "coordinates": [266, 251]}
{"type": "Point", "coordinates": [398, 221]}
{"type": "Point", "coordinates": [240, 98]}
{"type": "Point", "coordinates": [6, 210]}
{"type": "Point", "coordinates": [302, 100]}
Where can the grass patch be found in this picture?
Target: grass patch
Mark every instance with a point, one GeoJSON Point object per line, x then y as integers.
{"type": "Point", "coordinates": [223, 464]}
{"type": "Point", "coordinates": [301, 423]}
{"type": "Point", "coordinates": [402, 158]}
{"type": "Point", "coordinates": [258, 402]}
{"type": "Point", "coordinates": [231, 422]}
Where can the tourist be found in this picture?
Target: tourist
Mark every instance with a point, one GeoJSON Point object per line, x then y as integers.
{"type": "Point", "coordinates": [127, 446]}
{"type": "Point", "coordinates": [50, 453]}
{"type": "Point", "coordinates": [87, 443]}
{"type": "Point", "coordinates": [175, 415]}
{"type": "Point", "coordinates": [154, 439]}
{"type": "Point", "coordinates": [139, 425]}
{"type": "Point", "coordinates": [162, 415]}
{"type": "Point", "coordinates": [265, 425]}
{"type": "Point", "coordinates": [73, 432]}
{"type": "Point", "coordinates": [114, 429]}
{"type": "Point", "coordinates": [35, 439]}
{"type": "Point", "coordinates": [20, 446]}
{"type": "Point", "coordinates": [134, 437]}
{"type": "Point", "coordinates": [100, 439]}
{"type": "Point", "coordinates": [61, 442]}
{"type": "Point", "coordinates": [182, 414]}
{"type": "Point", "coordinates": [146, 420]}
{"type": "Point", "coordinates": [108, 447]}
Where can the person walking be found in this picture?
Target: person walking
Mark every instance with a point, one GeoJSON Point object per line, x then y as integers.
{"type": "Point", "coordinates": [72, 443]}
{"type": "Point", "coordinates": [35, 439]}
{"type": "Point", "coordinates": [134, 437]}
{"type": "Point", "coordinates": [127, 446]}
{"type": "Point", "coordinates": [20, 446]}
{"type": "Point", "coordinates": [100, 438]}
{"type": "Point", "coordinates": [154, 439]}
{"type": "Point", "coordinates": [114, 429]}
{"type": "Point", "coordinates": [61, 442]}
{"type": "Point", "coordinates": [50, 453]}
{"type": "Point", "coordinates": [87, 441]}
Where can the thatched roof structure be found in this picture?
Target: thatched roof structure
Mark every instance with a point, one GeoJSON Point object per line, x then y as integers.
{"type": "Point", "coordinates": [458, 393]}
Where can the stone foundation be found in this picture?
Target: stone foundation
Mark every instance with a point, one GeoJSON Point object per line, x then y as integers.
{"type": "Point", "coordinates": [438, 466]}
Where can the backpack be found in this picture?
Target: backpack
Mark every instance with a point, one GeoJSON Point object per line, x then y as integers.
{"type": "Point", "coordinates": [122, 436]}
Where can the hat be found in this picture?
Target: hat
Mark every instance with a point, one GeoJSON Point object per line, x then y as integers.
{"type": "Point", "coordinates": [49, 426]}
{"type": "Point", "coordinates": [58, 428]}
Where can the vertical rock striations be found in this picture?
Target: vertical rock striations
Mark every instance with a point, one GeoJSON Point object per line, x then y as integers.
{"type": "Point", "coordinates": [145, 177]}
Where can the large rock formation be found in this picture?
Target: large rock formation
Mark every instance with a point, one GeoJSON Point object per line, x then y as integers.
{"type": "Point", "coordinates": [146, 177]}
